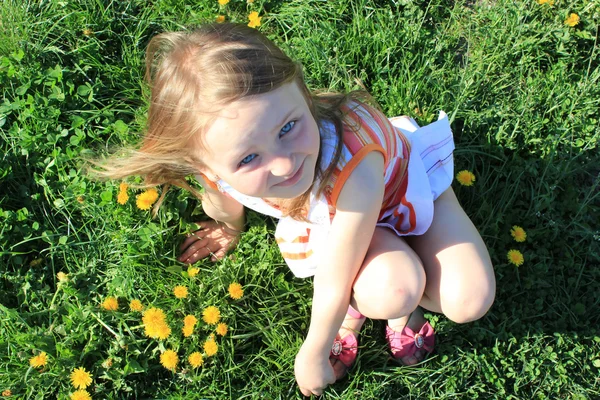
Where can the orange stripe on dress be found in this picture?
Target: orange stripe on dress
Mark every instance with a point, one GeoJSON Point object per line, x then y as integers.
{"type": "Point", "coordinates": [297, 256]}
{"type": "Point", "coordinates": [352, 164]}
{"type": "Point", "coordinates": [412, 217]}
{"type": "Point", "coordinates": [210, 183]}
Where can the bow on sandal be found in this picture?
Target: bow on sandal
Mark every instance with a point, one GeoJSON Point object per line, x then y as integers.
{"type": "Point", "coordinates": [407, 342]}
{"type": "Point", "coordinates": [345, 350]}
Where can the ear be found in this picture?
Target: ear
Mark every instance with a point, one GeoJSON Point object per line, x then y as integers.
{"type": "Point", "coordinates": [203, 169]}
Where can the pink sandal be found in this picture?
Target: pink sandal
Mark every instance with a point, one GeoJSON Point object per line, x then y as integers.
{"type": "Point", "coordinates": [346, 349]}
{"type": "Point", "coordinates": [407, 342]}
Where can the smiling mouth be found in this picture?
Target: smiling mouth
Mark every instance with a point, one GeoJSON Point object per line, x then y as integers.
{"type": "Point", "coordinates": [294, 179]}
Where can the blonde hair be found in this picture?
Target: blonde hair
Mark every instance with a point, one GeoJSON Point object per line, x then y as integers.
{"type": "Point", "coordinates": [192, 75]}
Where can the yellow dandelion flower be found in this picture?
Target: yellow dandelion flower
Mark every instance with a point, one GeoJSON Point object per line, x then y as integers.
{"type": "Point", "coordinates": [515, 257]}
{"type": "Point", "coordinates": [518, 233]}
{"type": "Point", "coordinates": [190, 320]}
{"type": "Point", "coordinates": [221, 329]}
{"type": "Point", "coordinates": [80, 378]}
{"type": "Point", "coordinates": [38, 361]}
{"type": "Point", "coordinates": [220, 19]}
{"type": "Point", "coordinates": [235, 291]}
{"type": "Point", "coordinates": [181, 292]}
{"type": "Point", "coordinates": [162, 331]}
{"type": "Point", "coordinates": [146, 199]}
{"type": "Point", "coordinates": [249, 1]}
{"type": "Point", "coordinates": [155, 324]}
{"type": "Point", "coordinates": [136, 305]}
{"type": "Point", "coordinates": [572, 19]}
{"type": "Point", "coordinates": [62, 277]}
{"type": "Point", "coordinates": [465, 178]}
{"type": "Point", "coordinates": [153, 316]}
{"type": "Point", "coordinates": [211, 315]}
{"type": "Point", "coordinates": [188, 330]}
{"type": "Point", "coordinates": [549, 2]}
{"type": "Point", "coordinates": [169, 359]}
{"type": "Point", "coordinates": [122, 198]}
{"type": "Point", "coordinates": [210, 347]}
{"type": "Point", "coordinates": [254, 20]}
{"type": "Point", "coordinates": [110, 304]}
{"type": "Point", "coordinates": [223, 2]}
{"type": "Point", "coordinates": [80, 395]}
{"type": "Point", "coordinates": [192, 272]}
{"type": "Point", "coordinates": [123, 187]}
{"type": "Point", "coordinates": [6, 393]}
{"type": "Point", "coordinates": [195, 359]}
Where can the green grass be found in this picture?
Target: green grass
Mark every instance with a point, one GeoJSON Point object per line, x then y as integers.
{"type": "Point", "coordinates": [523, 93]}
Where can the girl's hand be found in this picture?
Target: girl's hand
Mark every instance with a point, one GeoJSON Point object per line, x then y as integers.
{"type": "Point", "coordinates": [313, 373]}
{"type": "Point", "coordinates": [212, 239]}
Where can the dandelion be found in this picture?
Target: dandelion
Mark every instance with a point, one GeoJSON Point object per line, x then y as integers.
{"type": "Point", "coordinates": [572, 19]}
{"type": "Point", "coordinates": [211, 315]}
{"type": "Point", "coordinates": [180, 292]}
{"type": "Point", "coordinates": [223, 2]}
{"type": "Point", "coordinates": [187, 330]}
{"type": "Point", "coordinates": [80, 199]}
{"type": "Point", "coordinates": [136, 305]}
{"type": "Point", "coordinates": [6, 393]}
{"type": "Point", "coordinates": [110, 304]}
{"type": "Point", "coordinates": [254, 20]}
{"type": "Point", "coordinates": [80, 395]}
{"type": "Point", "coordinates": [549, 2]}
{"type": "Point", "coordinates": [38, 361]}
{"type": "Point", "coordinates": [221, 329]}
{"type": "Point", "coordinates": [123, 186]}
{"type": "Point", "coordinates": [515, 257]}
{"type": "Point", "coordinates": [518, 233]}
{"type": "Point", "coordinates": [220, 19]}
{"type": "Point", "coordinates": [190, 320]}
{"type": "Point", "coordinates": [107, 363]}
{"type": "Point", "coordinates": [62, 277]}
{"type": "Point", "coordinates": [155, 324]}
{"type": "Point", "coordinates": [249, 1]}
{"type": "Point", "coordinates": [36, 262]}
{"type": "Point", "coordinates": [146, 199]}
{"type": "Point", "coordinates": [169, 359]}
{"type": "Point", "coordinates": [465, 178]}
{"type": "Point", "coordinates": [192, 272]}
{"type": "Point", "coordinates": [235, 291]}
{"type": "Point", "coordinates": [210, 347]}
{"type": "Point", "coordinates": [80, 378]}
{"type": "Point", "coordinates": [122, 198]}
{"type": "Point", "coordinates": [195, 359]}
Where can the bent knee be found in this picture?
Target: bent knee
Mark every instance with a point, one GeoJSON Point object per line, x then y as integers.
{"type": "Point", "coordinates": [470, 304]}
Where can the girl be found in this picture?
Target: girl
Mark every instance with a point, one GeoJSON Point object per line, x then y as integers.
{"type": "Point", "coordinates": [364, 203]}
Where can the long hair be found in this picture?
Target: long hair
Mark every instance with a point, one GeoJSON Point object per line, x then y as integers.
{"type": "Point", "coordinates": [191, 75]}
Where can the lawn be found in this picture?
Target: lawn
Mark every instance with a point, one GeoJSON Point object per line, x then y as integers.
{"type": "Point", "coordinates": [522, 89]}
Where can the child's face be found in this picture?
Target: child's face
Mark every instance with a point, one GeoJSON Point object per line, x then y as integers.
{"type": "Point", "coordinates": [265, 145]}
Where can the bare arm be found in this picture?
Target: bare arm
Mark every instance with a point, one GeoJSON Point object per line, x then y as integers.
{"type": "Point", "coordinates": [214, 238]}
{"type": "Point", "coordinates": [351, 232]}
{"type": "Point", "coordinates": [352, 229]}
{"type": "Point", "coordinates": [222, 208]}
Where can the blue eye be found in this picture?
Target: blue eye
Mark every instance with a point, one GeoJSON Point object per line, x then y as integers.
{"type": "Point", "coordinates": [286, 128]}
{"type": "Point", "coordinates": [248, 159]}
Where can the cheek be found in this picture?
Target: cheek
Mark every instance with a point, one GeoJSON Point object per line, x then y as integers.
{"type": "Point", "coordinates": [252, 183]}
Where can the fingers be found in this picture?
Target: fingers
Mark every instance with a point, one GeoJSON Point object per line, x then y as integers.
{"type": "Point", "coordinates": [195, 252]}
{"type": "Point", "coordinates": [191, 238]}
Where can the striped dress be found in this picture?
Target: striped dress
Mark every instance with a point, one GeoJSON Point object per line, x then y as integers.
{"type": "Point", "coordinates": [418, 168]}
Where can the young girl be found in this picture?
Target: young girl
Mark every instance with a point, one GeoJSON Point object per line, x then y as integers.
{"type": "Point", "coordinates": [364, 203]}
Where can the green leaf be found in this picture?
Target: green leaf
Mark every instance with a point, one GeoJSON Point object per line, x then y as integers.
{"type": "Point", "coordinates": [176, 269]}
{"type": "Point", "coordinates": [133, 367]}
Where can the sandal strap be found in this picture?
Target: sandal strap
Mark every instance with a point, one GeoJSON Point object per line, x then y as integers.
{"type": "Point", "coordinates": [345, 350]}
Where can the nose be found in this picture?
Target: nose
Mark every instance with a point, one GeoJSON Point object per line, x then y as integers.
{"type": "Point", "coordinates": [282, 165]}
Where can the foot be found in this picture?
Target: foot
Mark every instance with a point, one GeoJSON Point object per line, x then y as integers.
{"type": "Point", "coordinates": [415, 322]}
{"type": "Point", "coordinates": [350, 326]}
